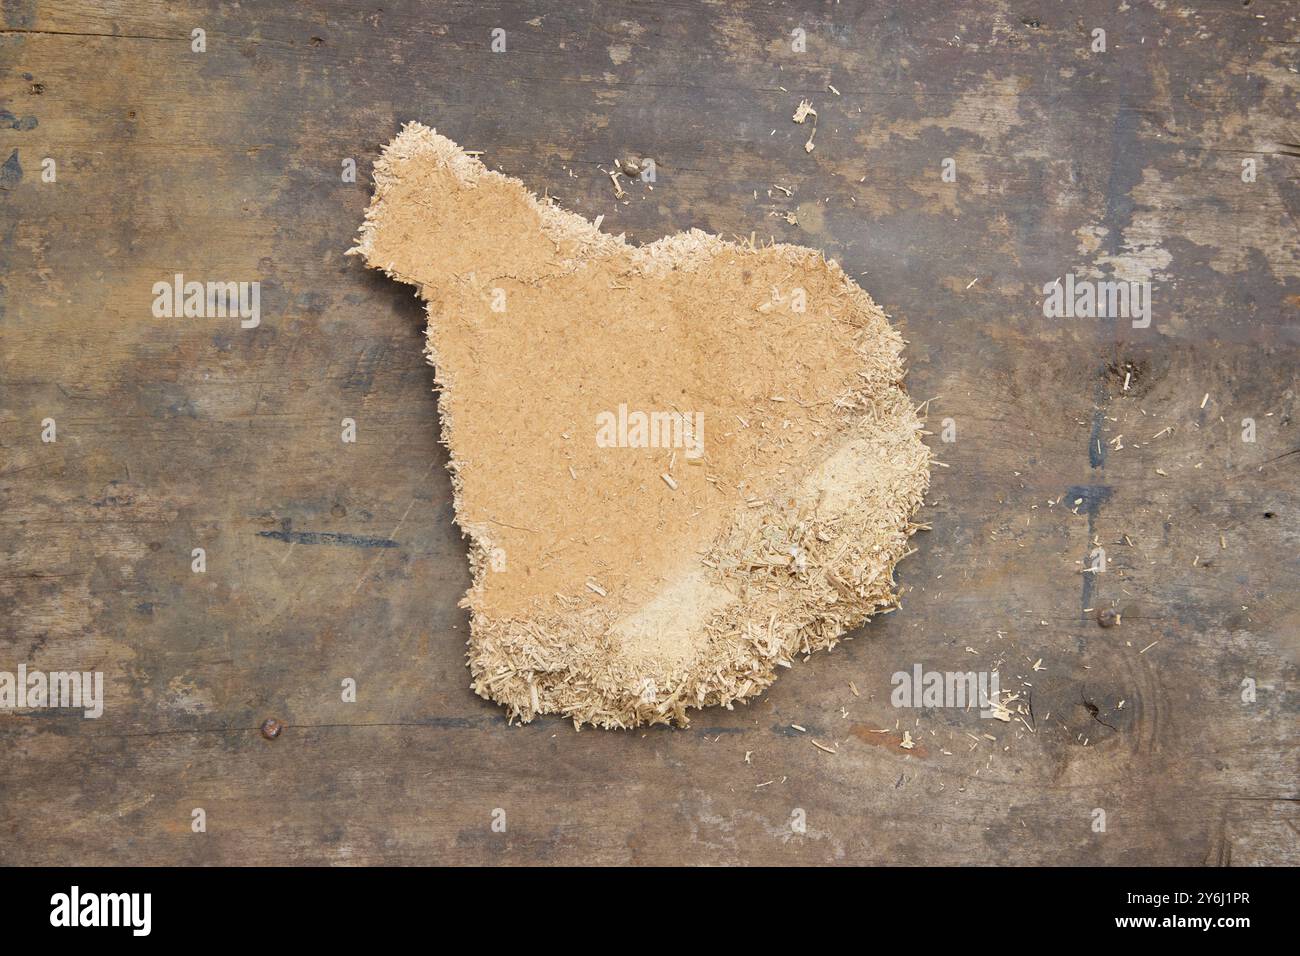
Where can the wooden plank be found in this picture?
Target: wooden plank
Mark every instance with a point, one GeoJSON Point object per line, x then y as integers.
{"type": "Point", "coordinates": [183, 433]}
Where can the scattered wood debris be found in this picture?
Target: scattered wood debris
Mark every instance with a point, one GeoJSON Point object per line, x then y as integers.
{"type": "Point", "coordinates": [803, 111]}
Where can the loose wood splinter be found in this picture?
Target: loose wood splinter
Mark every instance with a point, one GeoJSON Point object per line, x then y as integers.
{"type": "Point", "coordinates": [625, 595]}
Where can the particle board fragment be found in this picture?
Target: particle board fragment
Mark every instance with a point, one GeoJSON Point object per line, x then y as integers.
{"type": "Point", "coordinates": [576, 371]}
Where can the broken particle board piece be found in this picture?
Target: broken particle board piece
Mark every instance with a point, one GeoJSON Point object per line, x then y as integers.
{"type": "Point", "coordinates": [678, 465]}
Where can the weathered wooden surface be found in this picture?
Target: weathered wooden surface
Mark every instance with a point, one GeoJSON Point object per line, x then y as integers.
{"type": "Point", "coordinates": [183, 433]}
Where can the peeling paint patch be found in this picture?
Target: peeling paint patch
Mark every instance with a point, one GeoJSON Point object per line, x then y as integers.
{"type": "Point", "coordinates": [24, 124]}
{"type": "Point", "coordinates": [11, 173]}
{"type": "Point", "coordinates": [1090, 238]}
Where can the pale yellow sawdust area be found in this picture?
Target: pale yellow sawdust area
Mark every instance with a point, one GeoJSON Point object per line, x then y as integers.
{"type": "Point", "coordinates": [601, 591]}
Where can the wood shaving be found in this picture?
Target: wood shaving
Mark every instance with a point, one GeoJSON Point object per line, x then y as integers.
{"type": "Point", "coordinates": [803, 111]}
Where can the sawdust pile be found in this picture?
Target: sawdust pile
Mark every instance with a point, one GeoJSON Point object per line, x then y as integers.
{"type": "Point", "coordinates": [679, 466]}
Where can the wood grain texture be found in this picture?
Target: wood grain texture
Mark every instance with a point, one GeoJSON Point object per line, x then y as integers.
{"type": "Point", "coordinates": [183, 433]}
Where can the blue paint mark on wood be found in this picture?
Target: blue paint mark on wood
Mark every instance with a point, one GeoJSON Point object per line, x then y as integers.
{"type": "Point", "coordinates": [1093, 497]}
{"type": "Point", "coordinates": [11, 173]}
{"type": "Point", "coordinates": [1090, 498]}
{"type": "Point", "coordinates": [328, 537]}
{"type": "Point", "coordinates": [22, 124]}
{"type": "Point", "coordinates": [1096, 450]}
